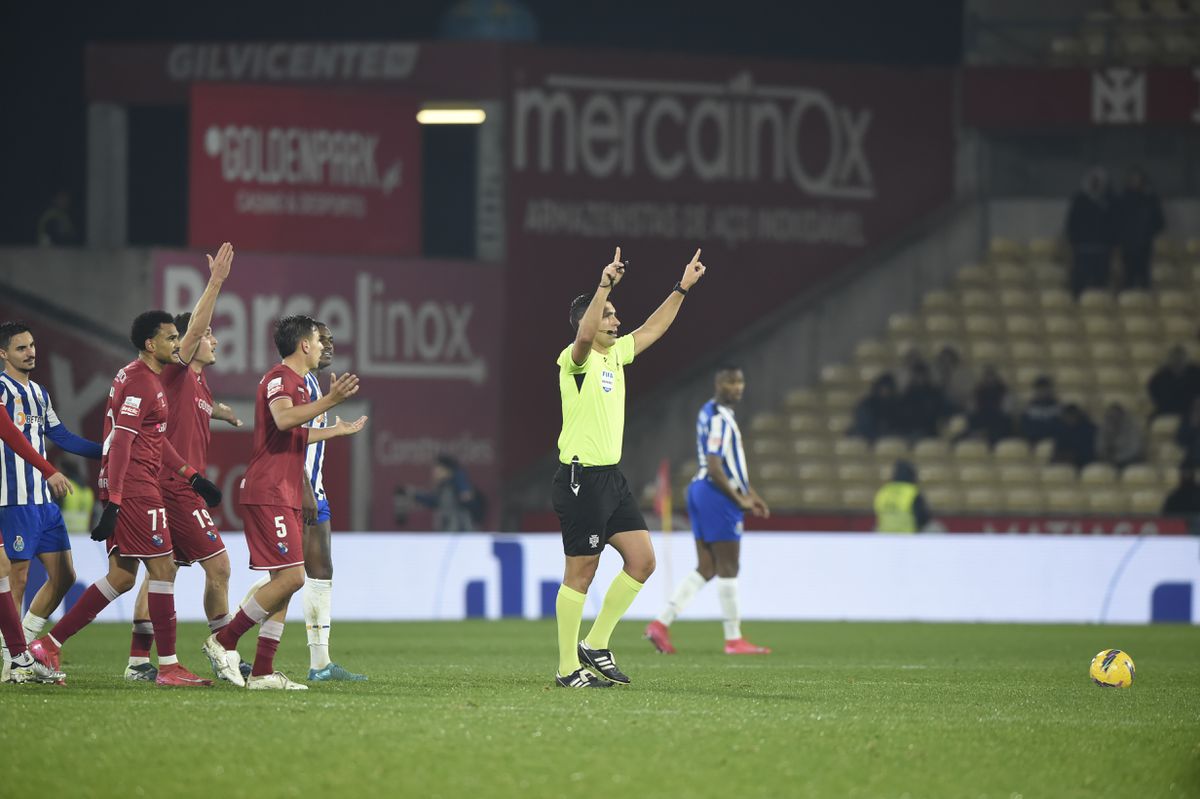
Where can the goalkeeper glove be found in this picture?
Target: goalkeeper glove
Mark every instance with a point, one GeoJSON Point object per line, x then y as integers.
{"type": "Point", "coordinates": [107, 524]}
{"type": "Point", "coordinates": [206, 488]}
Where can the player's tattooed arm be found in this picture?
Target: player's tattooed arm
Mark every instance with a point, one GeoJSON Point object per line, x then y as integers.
{"type": "Point", "coordinates": [658, 323]}
{"type": "Point", "coordinates": [203, 312]}
{"type": "Point", "coordinates": [338, 428]}
{"type": "Point", "coordinates": [224, 413]}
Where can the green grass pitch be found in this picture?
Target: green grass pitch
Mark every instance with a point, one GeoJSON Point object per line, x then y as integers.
{"type": "Point", "coordinates": [467, 709]}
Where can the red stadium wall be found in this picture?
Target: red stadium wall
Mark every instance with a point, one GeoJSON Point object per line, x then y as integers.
{"type": "Point", "coordinates": [782, 173]}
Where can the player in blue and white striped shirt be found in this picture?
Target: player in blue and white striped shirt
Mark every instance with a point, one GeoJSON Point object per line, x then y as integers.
{"type": "Point", "coordinates": [31, 522]}
{"type": "Point", "coordinates": [718, 498]}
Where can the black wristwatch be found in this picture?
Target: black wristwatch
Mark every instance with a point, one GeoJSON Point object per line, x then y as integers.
{"type": "Point", "coordinates": [679, 287]}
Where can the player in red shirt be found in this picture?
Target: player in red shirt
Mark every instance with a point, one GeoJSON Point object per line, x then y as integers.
{"type": "Point", "coordinates": [193, 532]}
{"type": "Point", "coordinates": [24, 667]}
{"type": "Point", "coordinates": [274, 490]}
{"type": "Point", "coordinates": [135, 519]}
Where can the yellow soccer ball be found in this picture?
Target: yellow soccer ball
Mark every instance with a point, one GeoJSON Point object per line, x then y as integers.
{"type": "Point", "coordinates": [1112, 668]}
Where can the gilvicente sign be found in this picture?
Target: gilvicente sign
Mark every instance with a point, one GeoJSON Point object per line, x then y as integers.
{"type": "Point", "coordinates": [314, 170]}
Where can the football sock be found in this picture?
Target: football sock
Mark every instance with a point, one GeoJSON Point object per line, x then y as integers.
{"type": "Point", "coordinates": [219, 622]}
{"type": "Point", "coordinates": [620, 596]}
{"type": "Point", "coordinates": [10, 622]}
{"type": "Point", "coordinates": [248, 615]}
{"type": "Point", "coordinates": [268, 643]}
{"type": "Point", "coordinates": [161, 598]}
{"type": "Point", "coordinates": [266, 578]}
{"type": "Point", "coordinates": [683, 595]}
{"type": "Point", "coordinates": [318, 602]}
{"type": "Point", "coordinates": [727, 592]}
{"type": "Point", "coordinates": [143, 638]}
{"type": "Point", "coordinates": [96, 598]}
{"type": "Point", "coordinates": [568, 611]}
{"type": "Point", "coordinates": [33, 625]}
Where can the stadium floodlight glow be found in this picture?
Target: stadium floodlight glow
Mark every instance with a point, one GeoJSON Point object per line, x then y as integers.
{"type": "Point", "coordinates": [451, 116]}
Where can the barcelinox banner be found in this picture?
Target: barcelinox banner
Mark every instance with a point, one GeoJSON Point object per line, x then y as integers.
{"type": "Point", "coordinates": [783, 173]}
{"type": "Point", "coordinates": [303, 169]}
{"type": "Point", "coordinates": [421, 336]}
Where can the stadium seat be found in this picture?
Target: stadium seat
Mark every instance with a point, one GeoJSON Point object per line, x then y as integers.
{"type": "Point", "coordinates": [1141, 475]}
{"type": "Point", "coordinates": [1072, 379]}
{"type": "Point", "coordinates": [1168, 453]}
{"type": "Point", "coordinates": [1058, 474]}
{"type": "Point", "coordinates": [891, 447]}
{"type": "Point", "coordinates": [1024, 500]}
{"type": "Point", "coordinates": [1008, 274]}
{"type": "Point", "coordinates": [1178, 328]}
{"type": "Point", "coordinates": [872, 349]}
{"type": "Point", "coordinates": [903, 325]}
{"type": "Point", "coordinates": [771, 423]}
{"type": "Point", "coordinates": [1114, 378]}
{"type": "Point", "coordinates": [1065, 500]}
{"type": "Point", "coordinates": [1140, 326]}
{"type": "Point", "coordinates": [1023, 325]}
{"type": "Point", "coordinates": [820, 497]}
{"type": "Point", "coordinates": [982, 474]}
{"type": "Point", "coordinates": [1174, 301]}
{"type": "Point", "coordinates": [810, 446]}
{"type": "Point", "coordinates": [1028, 351]}
{"type": "Point", "coordinates": [943, 499]}
{"type": "Point", "coordinates": [806, 424]}
{"type": "Point", "coordinates": [1096, 300]}
{"type": "Point", "coordinates": [766, 447]}
{"type": "Point", "coordinates": [928, 449]}
{"type": "Point", "coordinates": [1164, 427]}
{"type": "Point", "coordinates": [1048, 275]}
{"type": "Point", "coordinates": [971, 300]}
{"type": "Point", "coordinates": [1043, 451]}
{"type": "Point", "coordinates": [839, 375]}
{"type": "Point", "coordinates": [1165, 275]}
{"type": "Point", "coordinates": [1101, 325]}
{"type": "Point", "coordinates": [939, 302]}
{"type": "Point", "coordinates": [1167, 249]}
{"type": "Point", "coordinates": [1067, 351]}
{"type": "Point", "coordinates": [856, 472]}
{"type": "Point", "coordinates": [1098, 474]}
{"type": "Point", "coordinates": [970, 451]}
{"type": "Point", "coordinates": [1017, 474]}
{"type": "Point", "coordinates": [1001, 248]}
{"type": "Point", "coordinates": [1056, 300]}
{"type": "Point", "coordinates": [943, 325]}
{"type": "Point", "coordinates": [838, 423]}
{"type": "Point", "coordinates": [815, 471]}
{"type": "Point", "coordinates": [1046, 249]}
{"type": "Point", "coordinates": [983, 499]}
{"type": "Point", "coordinates": [974, 276]}
{"type": "Point", "coordinates": [852, 447]}
{"type": "Point", "coordinates": [783, 496]}
{"type": "Point", "coordinates": [803, 399]}
{"type": "Point", "coordinates": [937, 473]}
{"type": "Point", "coordinates": [1107, 500]}
{"type": "Point", "coordinates": [986, 350]}
{"type": "Point", "coordinates": [773, 471]}
{"type": "Point", "coordinates": [1150, 353]}
{"type": "Point", "coordinates": [1147, 501]}
{"type": "Point", "coordinates": [979, 325]}
{"type": "Point", "coordinates": [1020, 300]}
{"type": "Point", "coordinates": [1105, 352]}
{"type": "Point", "coordinates": [859, 497]}
{"type": "Point", "coordinates": [1137, 301]}
{"type": "Point", "coordinates": [1015, 450]}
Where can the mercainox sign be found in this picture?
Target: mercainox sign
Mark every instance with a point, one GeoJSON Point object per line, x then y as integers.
{"type": "Point", "coordinates": [735, 132]}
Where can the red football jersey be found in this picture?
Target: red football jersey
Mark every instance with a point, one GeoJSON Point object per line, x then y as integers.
{"type": "Point", "coordinates": [277, 466]}
{"type": "Point", "coordinates": [191, 407]}
{"type": "Point", "coordinates": [136, 403]}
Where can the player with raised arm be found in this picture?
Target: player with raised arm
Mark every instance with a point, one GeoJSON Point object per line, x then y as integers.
{"type": "Point", "coordinates": [191, 407]}
{"type": "Point", "coordinates": [23, 667]}
{"type": "Point", "coordinates": [32, 522]}
{"type": "Point", "coordinates": [591, 497]}
{"type": "Point", "coordinates": [274, 489]}
{"type": "Point", "coordinates": [718, 498]}
{"type": "Point", "coordinates": [134, 521]}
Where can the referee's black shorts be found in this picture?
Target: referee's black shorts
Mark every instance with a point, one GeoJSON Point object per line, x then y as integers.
{"type": "Point", "coordinates": [601, 507]}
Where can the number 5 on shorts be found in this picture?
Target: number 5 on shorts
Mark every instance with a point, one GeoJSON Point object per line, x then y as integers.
{"type": "Point", "coordinates": [280, 527]}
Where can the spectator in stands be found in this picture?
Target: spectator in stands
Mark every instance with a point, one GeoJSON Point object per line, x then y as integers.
{"type": "Point", "coordinates": [55, 227]}
{"type": "Point", "coordinates": [1089, 231]}
{"type": "Point", "coordinates": [1188, 433]}
{"type": "Point", "coordinates": [954, 378]}
{"type": "Point", "coordinates": [923, 406]}
{"type": "Point", "coordinates": [1119, 440]}
{"type": "Point", "coordinates": [899, 505]}
{"type": "Point", "coordinates": [1042, 413]}
{"type": "Point", "coordinates": [1074, 437]}
{"type": "Point", "coordinates": [878, 413]}
{"type": "Point", "coordinates": [908, 362]}
{"type": "Point", "coordinates": [1176, 383]}
{"type": "Point", "coordinates": [991, 410]}
{"type": "Point", "coordinates": [1184, 500]}
{"type": "Point", "coordinates": [453, 499]}
{"type": "Point", "coordinates": [1138, 216]}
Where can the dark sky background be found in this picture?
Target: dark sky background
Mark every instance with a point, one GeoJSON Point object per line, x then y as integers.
{"type": "Point", "coordinates": [42, 134]}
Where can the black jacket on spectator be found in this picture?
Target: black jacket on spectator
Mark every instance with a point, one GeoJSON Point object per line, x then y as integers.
{"type": "Point", "coordinates": [922, 405]}
{"type": "Point", "coordinates": [1040, 419]}
{"type": "Point", "coordinates": [878, 413]}
{"type": "Point", "coordinates": [1074, 438]}
{"type": "Point", "coordinates": [1173, 391]}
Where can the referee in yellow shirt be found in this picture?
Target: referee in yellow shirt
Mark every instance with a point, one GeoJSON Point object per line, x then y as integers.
{"type": "Point", "coordinates": [591, 497]}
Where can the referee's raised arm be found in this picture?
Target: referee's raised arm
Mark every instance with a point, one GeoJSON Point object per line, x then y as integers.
{"type": "Point", "coordinates": [589, 325]}
{"type": "Point", "coordinates": [656, 325]}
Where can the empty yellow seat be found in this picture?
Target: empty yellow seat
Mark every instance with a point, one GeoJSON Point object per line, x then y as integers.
{"type": "Point", "coordinates": [1179, 328]}
{"type": "Point", "coordinates": [871, 349]}
{"type": "Point", "coordinates": [977, 473]}
{"type": "Point", "coordinates": [942, 499]}
{"type": "Point", "coordinates": [1019, 325]}
{"type": "Point", "coordinates": [937, 472]}
{"type": "Point", "coordinates": [891, 447]}
{"type": "Point", "coordinates": [943, 325]}
{"type": "Point", "coordinates": [1018, 299]}
{"type": "Point", "coordinates": [1136, 300]}
{"type": "Point", "coordinates": [767, 423]}
{"type": "Point", "coordinates": [1070, 351]}
{"type": "Point", "coordinates": [821, 496]}
{"type": "Point", "coordinates": [903, 325]}
{"type": "Point", "coordinates": [939, 301]}
{"type": "Point", "coordinates": [1049, 275]}
{"type": "Point", "coordinates": [774, 471]}
{"type": "Point", "coordinates": [1024, 500]}
{"type": "Point", "coordinates": [1107, 500]}
{"type": "Point", "coordinates": [839, 375]}
{"type": "Point", "coordinates": [838, 424]}
{"type": "Point", "coordinates": [1017, 474]}
{"type": "Point", "coordinates": [853, 447]}
{"type": "Point", "coordinates": [809, 446]}
{"type": "Point", "coordinates": [802, 399]}
{"type": "Point", "coordinates": [928, 448]}
{"type": "Point", "coordinates": [1147, 501]}
{"type": "Point", "coordinates": [1096, 300]}
{"type": "Point", "coordinates": [974, 275]}
{"type": "Point", "coordinates": [1174, 301]}
{"type": "Point", "coordinates": [1012, 449]}
{"type": "Point", "coordinates": [980, 499]}
{"type": "Point", "coordinates": [1002, 248]}
{"type": "Point", "coordinates": [1010, 274]}
{"type": "Point", "coordinates": [765, 447]}
{"type": "Point", "coordinates": [1065, 500]}
{"type": "Point", "coordinates": [815, 471]}
{"type": "Point", "coordinates": [1105, 352]}
{"type": "Point", "coordinates": [1046, 249]}
{"type": "Point", "coordinates": [783, 496]}
{"type": "Point", "coordinates": [806, 424]}
{"type": "Point", "coordinates": [1058, 474]}
{"type": "Point", "coordinates": [1141, 475]}
{"type": "Point", "coordinates": [979, 325]}
{"type": "Point", "coordinates": [970, 451]}
{"type": "Point", "coordinates": [1163, 428]}
{"type": "Point", "coordinates": [1140, 326]}
{"type": "Point", "coordinates": [1098, 474]}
